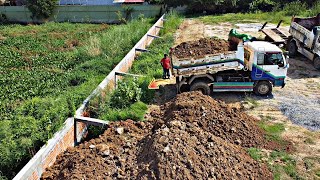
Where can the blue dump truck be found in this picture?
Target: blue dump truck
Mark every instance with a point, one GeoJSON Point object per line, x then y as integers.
{"type": "Point", "coordinates": [256, 66]}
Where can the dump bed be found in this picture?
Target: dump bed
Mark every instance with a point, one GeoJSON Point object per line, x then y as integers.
{"type": "Point", "coordinates": [211, 63]}
{"type": "Point", "coordinates": [305, 30]}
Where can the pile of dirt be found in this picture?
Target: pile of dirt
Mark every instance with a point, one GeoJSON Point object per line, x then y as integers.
{"type": "Point", "coordinates": [193, 137]}
{"type": "Point", "coordinates": [216, 117]}
{"type": "Point", "coordinates": [202, 47]}
{"type": "Point", "coordinates": [113, 154]}
{"type": "Point", "coordinates": [182, 151]}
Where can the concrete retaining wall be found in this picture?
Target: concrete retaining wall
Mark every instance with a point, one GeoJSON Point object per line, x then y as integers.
{"type": "Point", "coordinates": [81, 14]}
{"type": "Point", "coordinates": [65, 138]}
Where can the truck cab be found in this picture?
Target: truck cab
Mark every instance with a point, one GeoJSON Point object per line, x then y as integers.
{"type": "Point", "coordinates": [266, 63]}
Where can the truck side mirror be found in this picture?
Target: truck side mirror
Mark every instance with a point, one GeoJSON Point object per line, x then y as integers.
{"type": "Point", "coordinates": [260, 59]}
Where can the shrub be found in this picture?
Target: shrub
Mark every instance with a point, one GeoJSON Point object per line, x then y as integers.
{"type": "Point", "coordinates": [294, 8]}
{"type": "Point", "coordinates": [263, 5]}
{"type": "Point", "coordinates": [41, 9]}
{"type": "Point", "coordinates": [3, 18]}
{"type": "Point", "coordinates": [127, 92]}
{"type": "Point", "coordinates": [315, 10]}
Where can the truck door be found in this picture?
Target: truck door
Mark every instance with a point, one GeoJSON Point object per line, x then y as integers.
{"type": "Point", "coordinates": [274, 66]}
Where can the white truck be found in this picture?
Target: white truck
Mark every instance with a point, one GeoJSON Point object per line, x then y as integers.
{"type": "Point", "coordinates": [305, 38]}
{"type": "Point", "coordinates": [255, 66]}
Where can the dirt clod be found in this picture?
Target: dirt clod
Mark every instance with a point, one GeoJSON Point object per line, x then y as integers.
{"type": "Point", "coordinates": [178, 143]}
{"type": "Point", "coordinates": [202, 47]}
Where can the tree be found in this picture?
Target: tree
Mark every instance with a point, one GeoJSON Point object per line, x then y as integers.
{"type": "Point", "coordinates": [41, 9]}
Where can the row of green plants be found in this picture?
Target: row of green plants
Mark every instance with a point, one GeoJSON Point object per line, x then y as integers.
{"type": "Point", "coordinates": [46, 72]}
{"type": "Point", "coordinates": [130, 99]}
{"type": "Point", "coordinates": [290, 7]}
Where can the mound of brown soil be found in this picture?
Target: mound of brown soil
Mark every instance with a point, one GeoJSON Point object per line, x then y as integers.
{"type": "Point", "coordinates": [182, 142]}
{"type": "Point", "coordinates": [111, 155]}
{"type": "Point", "coordinates": [216, 117]}
{"type": "Point", "coordinates": [203, 47]}
{"type": "Point", "coordinates": [180, 151]}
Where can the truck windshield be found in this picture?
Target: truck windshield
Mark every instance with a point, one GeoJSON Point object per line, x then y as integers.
{"type": "Point", "coordinates": [273, 59]}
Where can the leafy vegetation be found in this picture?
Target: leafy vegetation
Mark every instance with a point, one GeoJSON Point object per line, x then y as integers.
{"type": "Point", "coordinates": [274, 16]}
{"type": "Point", "coordinates": [237, 6]}
{"type": "Point", "coordinates": [127, 92]}
{"type": "Point", "coordinates": [46, 71]}
{"type": "Point", "coordinates": [294, 8]}
{"type": "Point", "coordinates": [124, 102]}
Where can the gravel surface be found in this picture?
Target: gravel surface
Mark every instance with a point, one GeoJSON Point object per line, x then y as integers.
{"type": "Point", "coordinates": [299, 100]}
{"type": "Point", "coordinates": [301, 110]}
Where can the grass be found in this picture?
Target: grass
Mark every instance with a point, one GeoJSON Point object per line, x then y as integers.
{"type": "Point", "coordinates": [268, 118]}
{"type": "Point", "coordinates": [288, 165]}
{"type": "Point", "coordinates": [309, 141]}
{"type": "Point", "coordinates": [280, 163]}
{"type": "Point", "coordinates": [273, 131]}
{"type": "Point", "coordinates": [135, 111]}
{"type": "Point", "coordinates": [285, 14]}
{"type": "Point", "coordinates": [253, 101]}
{"type": "Point", "coordinates": [255, 153]}
{"type": "Point", "coordinates": [46, 71]}
{"type": "Point", "coordinates": [273, 17]}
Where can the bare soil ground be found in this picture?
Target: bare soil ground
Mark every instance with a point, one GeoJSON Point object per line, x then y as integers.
{"type": "Point", "coordinates": [182, 140]}
{"type": "Point", "coordinates": [189, 30]}
{"type": "Point", "coordinates": [297, 105]}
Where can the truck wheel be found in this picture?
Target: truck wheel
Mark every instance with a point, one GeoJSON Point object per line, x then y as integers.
{"type": "Point", "coordinates": [263, 88]}
{"type": "Point", "coordinates": [293, 49]}
{"type": "Point", "coordinates": [200, 86]}
{"type": "Point", "coordinates": [316, 63]}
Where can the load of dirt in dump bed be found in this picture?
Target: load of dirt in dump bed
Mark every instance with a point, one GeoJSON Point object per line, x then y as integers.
{"type": "Point", "coordinates": [177, 144]}
{"type": "Point", "coordinates": [202, 47]}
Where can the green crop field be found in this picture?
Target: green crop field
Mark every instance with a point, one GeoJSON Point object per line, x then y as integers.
{"type": "Point", "coordinates": [46, 71]}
